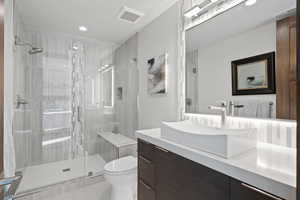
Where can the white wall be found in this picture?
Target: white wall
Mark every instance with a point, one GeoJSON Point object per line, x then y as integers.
{"type": "Point", "coordinates": [215, 64]}
{"type": "Point", "coordinates": [161, 36]}
{"type": "Point", "coordinates": [9, 155]}
{"type": "Point", "coordinates": [126, 76]}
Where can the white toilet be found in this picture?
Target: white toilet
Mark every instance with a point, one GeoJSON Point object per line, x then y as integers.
{"type": "Point", "coordinates": [122, 175]}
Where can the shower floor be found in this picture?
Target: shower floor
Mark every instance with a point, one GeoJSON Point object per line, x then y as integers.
{"type": "Point", "coordinates": [44, 175]}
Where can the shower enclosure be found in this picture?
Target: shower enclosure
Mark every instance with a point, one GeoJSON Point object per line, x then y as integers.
{"type": "Point", "coordinates": [67, 89]}
{"type": "Point", "coordinates": [57, 108]}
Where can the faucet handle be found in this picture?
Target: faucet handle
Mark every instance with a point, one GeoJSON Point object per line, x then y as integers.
{"type": "Point", "coordinates": [222, 103]}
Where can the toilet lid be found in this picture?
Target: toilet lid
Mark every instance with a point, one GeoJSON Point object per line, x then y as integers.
{"type": "Point", "coordinates": [121, 165]}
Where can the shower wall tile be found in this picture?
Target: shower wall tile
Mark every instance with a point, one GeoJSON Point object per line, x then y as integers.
{"type": "Point", "coordinates": [126, 77]}
{"type": "Point", "coordinates": [45, 81]}
{"type": "Point", "coordinates": [278, 132]}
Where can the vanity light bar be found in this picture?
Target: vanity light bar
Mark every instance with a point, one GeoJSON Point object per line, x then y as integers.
{"type": "Point", "coordinates": [214, 9]}
{"type": "Point", "coordinates": [192, 12]}
{"type": "Point", "coordinates": [197, 9]}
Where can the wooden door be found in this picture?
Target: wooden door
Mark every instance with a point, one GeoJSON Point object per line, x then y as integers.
{"type": "Point", "coordinates": [286, 68]}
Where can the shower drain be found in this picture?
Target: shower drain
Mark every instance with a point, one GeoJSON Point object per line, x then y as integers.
{"type": "Point", "coordinates": [66, 170]}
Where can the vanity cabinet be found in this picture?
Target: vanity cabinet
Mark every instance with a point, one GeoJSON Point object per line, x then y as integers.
{"type": "Point", "coordinates": [163, 175]}
{"type": "Point", "coordinates": [177, 178]}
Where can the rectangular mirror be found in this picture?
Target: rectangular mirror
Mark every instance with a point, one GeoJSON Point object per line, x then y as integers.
{"type": "Point", "coordinates": [244, 58]}
{"type": "Point", "coordinates": [107, 88]}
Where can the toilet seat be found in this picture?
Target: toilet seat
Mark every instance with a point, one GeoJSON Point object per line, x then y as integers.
{"type": "Point", "coordinates": [125, 165]}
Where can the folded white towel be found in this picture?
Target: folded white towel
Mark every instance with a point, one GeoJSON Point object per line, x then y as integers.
{"type": "Point", "coordinates": [264, 109]}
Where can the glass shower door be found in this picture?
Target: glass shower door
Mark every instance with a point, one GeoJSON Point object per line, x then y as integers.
{"type": "Point", "coordinates": [49, 126]}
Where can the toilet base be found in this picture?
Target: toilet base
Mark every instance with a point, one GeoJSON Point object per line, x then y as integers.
{"type": "Point", "coordinates": [124, 193]}
{"type": "Point", "coordinates": [122, 175]}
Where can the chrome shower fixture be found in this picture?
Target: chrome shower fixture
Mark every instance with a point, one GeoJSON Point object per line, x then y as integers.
{"type": "Point", "coordinates": [133, 60]}
{"type": "Point", "coordinates": [32, 50]}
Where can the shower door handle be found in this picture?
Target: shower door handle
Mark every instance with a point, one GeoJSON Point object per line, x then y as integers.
{"type": "Point", "coordinates": [20, 101]}
{"type": "Point", "coordinates": [78, 114]}
{"type": "Point", "coordinates": [13, 183]}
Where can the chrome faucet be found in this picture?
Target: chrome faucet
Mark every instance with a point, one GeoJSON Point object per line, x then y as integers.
{"type": "Point", "coordinates": [223, 109]}
{"type": "Point", "coordinates": [20, 101]}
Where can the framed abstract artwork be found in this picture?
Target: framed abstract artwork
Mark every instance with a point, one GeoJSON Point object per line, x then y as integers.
{"type": "Point", "coordinates": [156, 75]}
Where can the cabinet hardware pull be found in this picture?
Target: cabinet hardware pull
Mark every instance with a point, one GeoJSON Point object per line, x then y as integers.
{"type": "Point", "coordinates": [260, 191]}
{"type": "Point", "coordinates": [161, 149]}
{"type": "Point", "coordinates": [145, 185]}
{"type": "Point", "coordinates": [145, 159]}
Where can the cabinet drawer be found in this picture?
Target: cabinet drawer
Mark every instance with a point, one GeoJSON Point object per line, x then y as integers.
{"type": "Point", "coordinates": [145, 192]}
{"type": "Point", "coordinates": [145, 149]}
{"type": "Point", "coordinates": [244, 191]}
{"type": "Point", "coordinates": [146, 171]}
{"type": "Point", "coordinates": [178, 178]}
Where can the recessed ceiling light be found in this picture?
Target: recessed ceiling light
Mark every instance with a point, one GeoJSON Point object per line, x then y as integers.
{"type": "Point", "coordinates": [250, 2]}
{"type": "Point", "coordinates": [82, 28]}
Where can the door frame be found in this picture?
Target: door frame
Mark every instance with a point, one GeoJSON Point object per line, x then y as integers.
{"type": "Point", "coordinates": [298, 98]}
{"type": "Point", "coordinates": [2, 88]}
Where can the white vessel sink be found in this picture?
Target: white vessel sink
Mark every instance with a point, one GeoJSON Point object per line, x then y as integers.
{"type": "Point", "coordinates": [224, 142]}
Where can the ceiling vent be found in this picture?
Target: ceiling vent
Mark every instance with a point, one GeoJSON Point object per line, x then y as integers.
{"type": "Point", "coordinates": [130, 15]}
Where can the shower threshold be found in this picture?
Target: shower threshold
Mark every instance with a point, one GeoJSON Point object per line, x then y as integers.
{"type": "Point", "coordinates": [41, 176]}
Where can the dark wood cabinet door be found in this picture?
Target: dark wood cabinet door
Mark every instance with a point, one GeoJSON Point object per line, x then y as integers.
{"type": "Point", "coordinates": [168, 174]}
{"type": "Point", "coordinates": [145, 149]}
{"type": "Point", "coordinates": [178, 178]}
{"type": "Point", "coordinates": [242, 191]}
{"type": "Point", "coordinates": [145, 192]}
{"type": "Point", "coordinates": [164, 175]}
{"type": "Point", "coordinates": [146, 176]}
{"type": "Point", "coordinates": [146, 171]}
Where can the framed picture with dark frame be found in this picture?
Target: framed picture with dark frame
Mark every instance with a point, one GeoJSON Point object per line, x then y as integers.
{"type": "Point", "coordinates": [254, 75]}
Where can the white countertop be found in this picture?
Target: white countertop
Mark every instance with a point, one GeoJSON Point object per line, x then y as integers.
{"type": "Point", "coordinates": [117, 140]}
{"type": "Point", "coordinates": [270, 167]}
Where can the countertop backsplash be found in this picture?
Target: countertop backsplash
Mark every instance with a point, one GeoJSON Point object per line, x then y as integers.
{"type": "Point", "coordinates": [278, 132]}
